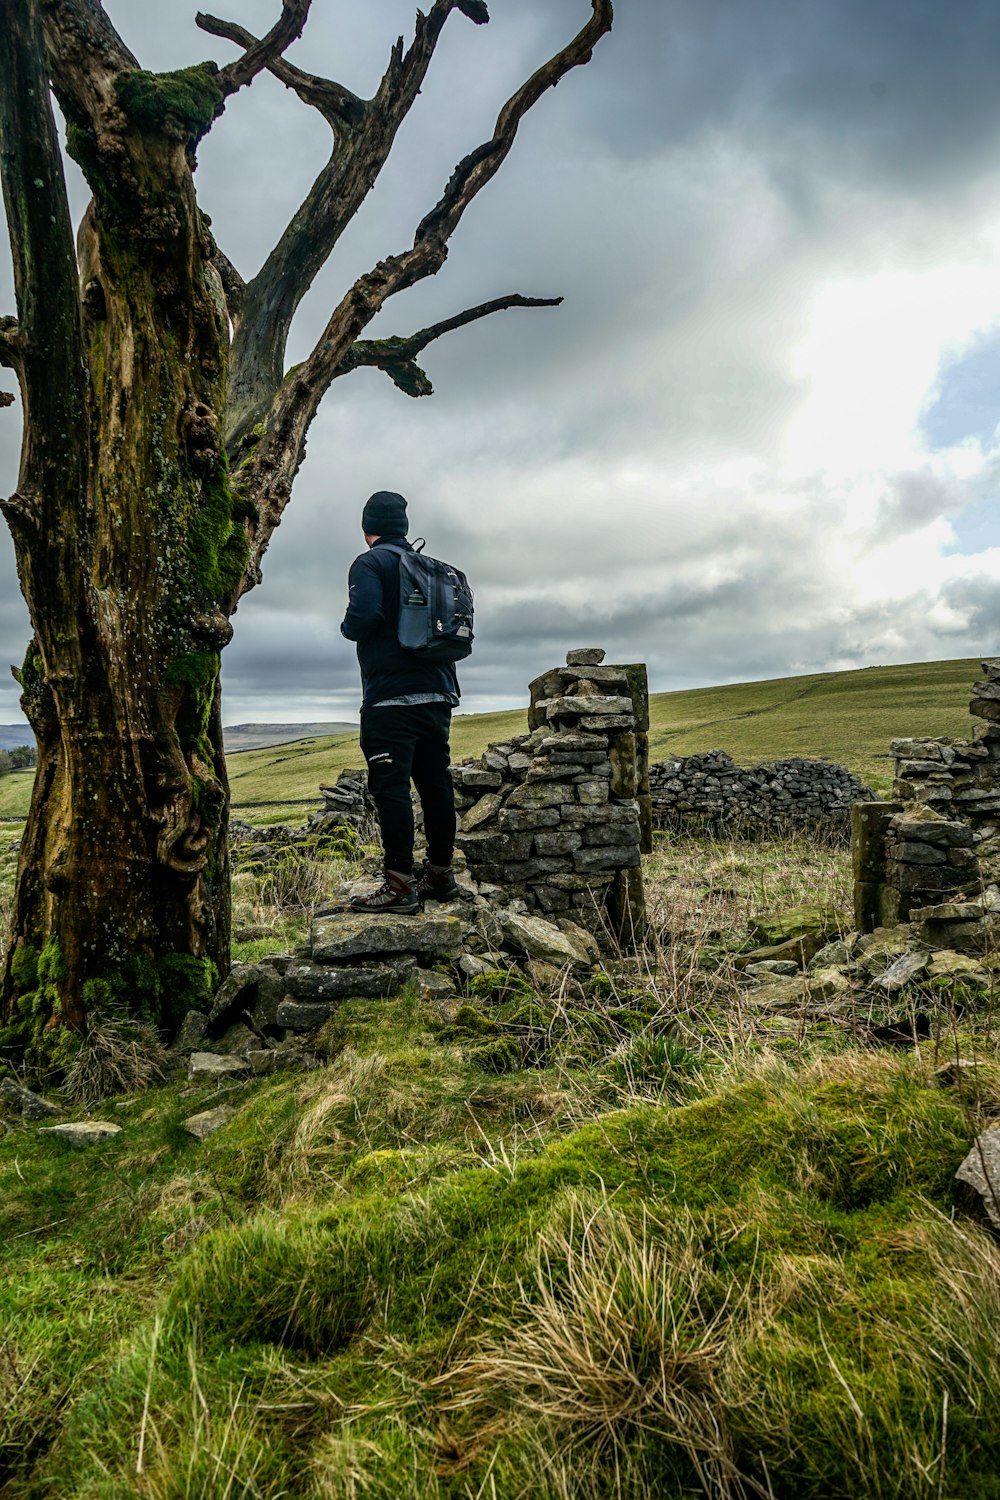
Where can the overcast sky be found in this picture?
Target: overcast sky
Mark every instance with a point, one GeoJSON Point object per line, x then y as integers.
{"type": "Point", "coordinates": [758, 438]}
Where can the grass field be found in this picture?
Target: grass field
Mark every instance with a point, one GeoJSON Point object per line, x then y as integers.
{"type": "Point", "coordinates": [848, 717]}
{"type": "Point", "coordinates": [686, 1248]}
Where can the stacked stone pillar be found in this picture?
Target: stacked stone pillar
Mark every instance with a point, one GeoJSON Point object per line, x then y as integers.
{"type": "Point", "coordinates": [559, 818]}
{"type": "Point", "coordinates": [940, 835]}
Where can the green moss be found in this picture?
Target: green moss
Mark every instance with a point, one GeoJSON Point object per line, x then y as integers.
{"type": "Point", "coordinates": [500, 984]}
{"type": "Point", "coordinates": [198, 671]}
{"type": "Point", "coordinates": [81, 145]}
{"type": "Point", "coordinates": [217, 542]}
{"type": "Point", "coordinates": [501, 1055]}
{"type": "Point", "coordinates": [157, 991]}
{"type": "Point", "coordinates": [189, 97]}
{"type": "Point", "coordinates": [24, 969]}
{"type": "Point", "coordinates": [471, 1022]}
{"type": "Point", "coordinates": [186, 983]}
{"type": "Point", "coordinates": [54, 1050]}
{"type": "Point", "coordinates": [51, 964]}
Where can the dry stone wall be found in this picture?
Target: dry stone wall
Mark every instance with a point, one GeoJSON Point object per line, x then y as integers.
{"type": "Point", "coordinates": [939, 837]}
{"type": "Point", "coordinates": [559, 818]}
{"type": "Point", "coordinates": [711, 790]}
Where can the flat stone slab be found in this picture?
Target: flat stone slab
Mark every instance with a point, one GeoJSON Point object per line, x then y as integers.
{"type": "Point", "coordinates": [315, 982]}
{"type": "Point", "coordinates": [209, 1065]}
{"type": "Point", "coordinates": [208, 1122]}
{"type": "Point", "coordinates": [281, 1058]}
{"type": "Point", "coordinates": [305, 1015]}
{"type": "Point", "coordinates": [958, 966]}
{"type": "Point", "coordinates": [346, 935]}
{"type": "Point", "coordinates": [83, 1133]}
{"type": "Point", "coordinates": [981, 1172]}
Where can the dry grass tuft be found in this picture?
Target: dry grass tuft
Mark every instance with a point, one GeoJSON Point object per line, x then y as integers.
{"type": "Point", "coordinates": [115, 1057]}
{"type": "Point", "coordinates": [621, 1332]}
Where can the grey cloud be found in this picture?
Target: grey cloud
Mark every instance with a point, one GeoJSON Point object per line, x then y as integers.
{"type": "Point", "coordinates": [915, 499]}
{"type": "Point", "coordinates": [686, 192]}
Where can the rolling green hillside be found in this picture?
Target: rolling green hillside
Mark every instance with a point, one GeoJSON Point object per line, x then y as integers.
{"type": "Point", "coordinates": [848, 717]}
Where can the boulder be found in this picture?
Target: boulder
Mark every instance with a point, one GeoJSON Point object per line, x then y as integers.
{"type": "Point", "coordinates": [797, 950]}
{"type": "Point", "coordinates": [28, 1105]}
{"type": "Point", "coordinates": [980, 1171]}
{"type": "Point", "coordinates": [543, 940]}
{"type": "Point", "coordinates": [904, 971]}
{"type": "Point", "coordinates": [191, 1032]}
{"type": "Point", "coordinates": [235, 999]}
{"type": "Point", "coordinates": [960, 968]}
{"type": "Point", "coordinates": [208, 1122]}
{"type": "Point", "coordinates": [580, 935]}
{"type": "Point", "coordinates": [433, 986]}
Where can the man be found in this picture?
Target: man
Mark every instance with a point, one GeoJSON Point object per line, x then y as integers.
{"type": "Point", "coordinates": [405, 721]}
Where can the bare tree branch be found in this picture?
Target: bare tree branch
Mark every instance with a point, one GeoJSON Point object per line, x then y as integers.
{"type": "Point", "coordinates": [46, 342]}
{"type": "Point", "coordinates": [270, 466]}
{"type": "Point", "coordinates": [85, 55]}
{"type": "Point", "coordinates": [398, 356]}
{"type": "Point", "coordinates": [260, 54]}
{"type": "Point", "coordinates": [481, 165]}
{"type": "Point", "coordinates": [364, 132]}
{"type": "Point", "coordinates": [334, 102]}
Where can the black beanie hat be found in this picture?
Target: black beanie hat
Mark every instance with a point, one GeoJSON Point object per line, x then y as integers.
{"type": "Point", "coordinates": [385, 515]}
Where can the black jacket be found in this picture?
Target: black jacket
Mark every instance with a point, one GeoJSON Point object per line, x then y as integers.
{"type": "Point", "coordinates": [387, 671]}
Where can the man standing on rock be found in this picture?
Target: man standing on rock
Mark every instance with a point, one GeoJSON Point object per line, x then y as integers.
{"type": "Point", "coordinates": [405, 721]}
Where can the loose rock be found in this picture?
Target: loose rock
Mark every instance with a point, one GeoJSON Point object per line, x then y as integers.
{"type": "Point", "coordinates": [83, 1133]}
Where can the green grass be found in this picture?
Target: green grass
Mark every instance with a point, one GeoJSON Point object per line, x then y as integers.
{"type": "Point", "coordinates": [666, 1255]}
{"type": "Point", "coordinates": [421, 1277]}
{"type": "Point", "coordinates": [848, 717]}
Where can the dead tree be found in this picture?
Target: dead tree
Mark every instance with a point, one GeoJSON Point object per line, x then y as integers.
{"type": "Point", "coordinates": [162, 436]}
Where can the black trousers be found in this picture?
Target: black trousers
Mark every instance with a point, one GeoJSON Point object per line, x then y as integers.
{"type": "Point", "coordinates": [407, 742]}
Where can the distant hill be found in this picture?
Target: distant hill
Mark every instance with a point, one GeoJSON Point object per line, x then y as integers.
{"type": "Point", "coordinates": [848, 717]}
{"type": "Point", "coordinates": [13, 736]}
{"type": "Point", "coordinates": [239, 737]}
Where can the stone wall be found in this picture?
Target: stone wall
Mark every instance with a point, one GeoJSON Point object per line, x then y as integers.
{"type": "Point", "coordinates": [559, 818]}
{"type": "Point", "coordinates": [711, 790]}
{"type": "Point", "coordinates": [940, 835]}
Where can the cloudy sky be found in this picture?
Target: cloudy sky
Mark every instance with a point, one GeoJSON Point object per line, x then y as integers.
{"type": "Point", "coordinates": [760, 435]}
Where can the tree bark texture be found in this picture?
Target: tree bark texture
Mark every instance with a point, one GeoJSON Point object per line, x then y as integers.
{"type": "Point", "coordinates": [161, 439]}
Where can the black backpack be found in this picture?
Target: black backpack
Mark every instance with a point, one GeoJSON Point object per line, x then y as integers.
{"type": "Point", "coordinates": [435, 607]}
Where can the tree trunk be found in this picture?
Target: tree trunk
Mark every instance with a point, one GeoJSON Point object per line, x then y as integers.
{"type": "Point", "coordinates": [132, 542]}
{"type": "Point", "coordinates": [128, 566]}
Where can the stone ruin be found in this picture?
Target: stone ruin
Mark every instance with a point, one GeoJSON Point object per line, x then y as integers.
{"type": "Point", "coordinates": [936, 843]}
{"type": "Point", "coordinates": [557, 820]}
{"type": "Point", "coordinates": [553, 821]}
{"type": "Point", "coordinates": [711, 791]}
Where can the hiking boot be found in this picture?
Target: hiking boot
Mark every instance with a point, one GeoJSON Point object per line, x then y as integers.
{"type": "Point", "coordinates": [396, 894]}
{"type": "Point", "coordinates": [438, 885]}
